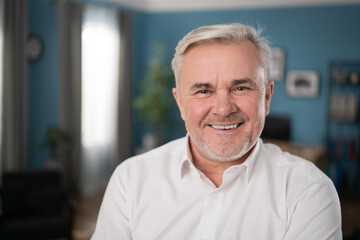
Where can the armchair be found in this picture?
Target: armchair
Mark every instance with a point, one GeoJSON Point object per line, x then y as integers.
{"type": "Point", "coordinates": [34, 206]}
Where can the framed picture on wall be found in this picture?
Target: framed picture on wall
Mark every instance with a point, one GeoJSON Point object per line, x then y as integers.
{"type": "Point", "coordinates": [277, 63]}
{"type": "Point", "coordinates": [302, 83]}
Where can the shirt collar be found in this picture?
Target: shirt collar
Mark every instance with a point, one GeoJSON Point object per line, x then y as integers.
{"type": "Point", "coordinates": [251, 160]}
{"type": "Point", "coordinates": [185, 158]}
{"type": "Point", "coordinates": [186, 162]}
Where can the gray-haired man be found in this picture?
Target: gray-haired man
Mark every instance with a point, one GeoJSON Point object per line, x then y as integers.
{"type": "Point", "coordinates": [220, 181]}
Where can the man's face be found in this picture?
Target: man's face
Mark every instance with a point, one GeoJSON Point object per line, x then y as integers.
{"type": "Point", "coordinates": [223, 99]}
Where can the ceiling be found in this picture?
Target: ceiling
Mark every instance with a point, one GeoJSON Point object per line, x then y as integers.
{"type": "Point", "coordinates": [191, 5]}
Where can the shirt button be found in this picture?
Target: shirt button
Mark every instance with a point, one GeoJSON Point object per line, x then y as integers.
{"type": "Point", "coordinates": [214, 196]}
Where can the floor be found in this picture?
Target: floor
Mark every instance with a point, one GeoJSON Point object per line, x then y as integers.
{"type": "Point", "coordinates": [350, 210]}
{"type": "Point", "coordinates": [87, 210]}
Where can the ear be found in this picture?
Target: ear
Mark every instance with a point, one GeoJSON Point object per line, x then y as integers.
{"type": "Point", "coordinates": [177, 97]}
{"type": "Point", "coordinates": [268, 94]}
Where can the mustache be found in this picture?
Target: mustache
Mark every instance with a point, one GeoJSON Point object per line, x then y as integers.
{"type": "Point", "coordinates": [232, 118]}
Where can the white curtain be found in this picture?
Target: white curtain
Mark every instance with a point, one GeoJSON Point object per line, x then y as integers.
{"type": "Point", "coordinates": [13, 85]}
{"type": "Point", "coordinates": [95, 89]}
{"type": "Point", "coordinates": [100, 42]}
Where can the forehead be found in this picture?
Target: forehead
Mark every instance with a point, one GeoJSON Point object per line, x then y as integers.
{"type": "Point", "coordinates": [216, 61]}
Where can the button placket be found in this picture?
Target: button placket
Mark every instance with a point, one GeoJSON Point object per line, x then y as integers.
{"type": "Point", "coordinates": [214, 196]}
{"type": "Point", "coordinates": [210, 216]}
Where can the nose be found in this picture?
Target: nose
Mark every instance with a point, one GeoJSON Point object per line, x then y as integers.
{"type": "Point", "coordinates": [224, 104]}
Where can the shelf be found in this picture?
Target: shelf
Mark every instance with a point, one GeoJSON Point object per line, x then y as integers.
{"type": "Point", "coordinates": [343, 126]}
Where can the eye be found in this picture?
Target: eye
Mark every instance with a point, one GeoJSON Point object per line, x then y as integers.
{"type": "Point", "coordinates": [202, 92]}
{"type": "Point", "coordinates": [241, 88]}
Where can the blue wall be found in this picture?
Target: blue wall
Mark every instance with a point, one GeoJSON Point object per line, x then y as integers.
{"type": "Point", "coordinates": [43, 79]}
{"type": "Point", "coordinates": [311, 37]}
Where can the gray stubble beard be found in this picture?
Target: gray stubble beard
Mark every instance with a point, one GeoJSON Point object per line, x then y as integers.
{"type": "Point", "coordinates": [203, 146]}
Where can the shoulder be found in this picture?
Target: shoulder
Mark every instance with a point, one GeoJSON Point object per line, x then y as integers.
{"type": "Point", "coordinates": [161, 157]}
{"type": "Point", "coordinates": [302, 181]}
{"type": "Point", "coordinates": [296, 175]}
{"type": "Point", "coordinates": [274, 157]}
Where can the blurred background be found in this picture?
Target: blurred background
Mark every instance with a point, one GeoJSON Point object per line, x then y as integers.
{"type": "Point", "coordinates": [86, 84]}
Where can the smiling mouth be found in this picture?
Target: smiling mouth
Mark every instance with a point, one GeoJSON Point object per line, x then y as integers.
{"type": "Point", "coordinates": [225, 127]}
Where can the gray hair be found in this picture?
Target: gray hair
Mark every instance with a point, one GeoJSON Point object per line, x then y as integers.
{"type": "Point", "coordinates": [225, 34]}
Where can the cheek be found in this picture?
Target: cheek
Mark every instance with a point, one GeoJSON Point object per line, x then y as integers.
{"type": "Point", "coordinates": [253, 108]}
{"type": "Point", "coordinates": [196, 110]}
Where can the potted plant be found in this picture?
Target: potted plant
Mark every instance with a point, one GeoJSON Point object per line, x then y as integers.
{"type": "Point", "coordinates": [57, 140]}
{"type": "Point", "coordinates": [155, 98]}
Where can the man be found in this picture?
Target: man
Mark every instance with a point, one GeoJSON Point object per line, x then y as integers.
{"type": "Point", "coordinates": [220, 181]}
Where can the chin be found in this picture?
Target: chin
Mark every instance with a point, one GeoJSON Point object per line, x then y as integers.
{"type": "Point", "coordinates": [224, 153]}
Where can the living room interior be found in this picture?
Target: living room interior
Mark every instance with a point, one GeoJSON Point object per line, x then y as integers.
{"type": "Point", "coordinates": [80, 92]}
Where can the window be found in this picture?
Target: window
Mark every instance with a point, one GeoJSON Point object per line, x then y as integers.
{"type": "Point", "coordinates": [100, 43]}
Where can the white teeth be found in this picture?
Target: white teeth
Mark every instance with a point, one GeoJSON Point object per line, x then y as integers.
{"type": "Point", "coordinates": [225, 127]}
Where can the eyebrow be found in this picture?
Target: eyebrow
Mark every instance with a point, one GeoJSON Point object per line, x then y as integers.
{"type": "Point", "coordinates": [201, 85]}
{"type": "Point", "coordinates": [234, 82]}
{"type": "Point", "coordinates": [243, 81]}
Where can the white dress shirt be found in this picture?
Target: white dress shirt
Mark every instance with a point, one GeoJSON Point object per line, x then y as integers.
{"type": "Point", "coordinates": [272, 195]}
